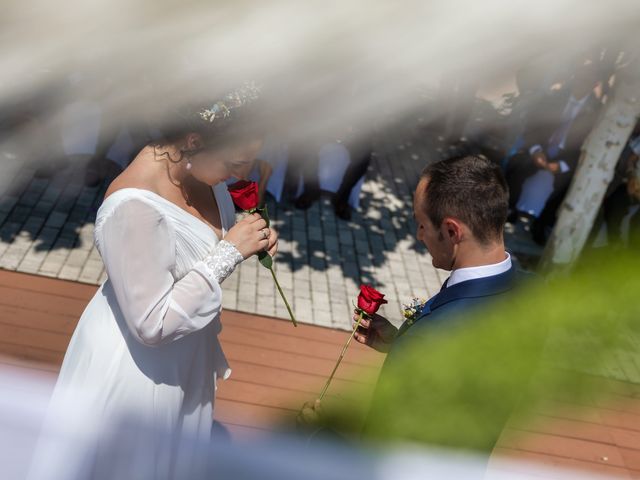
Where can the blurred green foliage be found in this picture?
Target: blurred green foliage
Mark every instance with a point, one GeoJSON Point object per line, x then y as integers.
{"type": "Point", "coordinates": [558, 338]}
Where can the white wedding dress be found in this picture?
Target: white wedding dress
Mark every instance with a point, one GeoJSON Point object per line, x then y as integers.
{"type": "Point", "coordinates": [148, 341]}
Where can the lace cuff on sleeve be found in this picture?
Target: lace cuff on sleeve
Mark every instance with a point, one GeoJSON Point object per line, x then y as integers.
{"type": "Point", "coordinates": [220, 263]}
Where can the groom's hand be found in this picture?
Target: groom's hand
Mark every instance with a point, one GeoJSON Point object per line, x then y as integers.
{"type": "Point", "coordinates": [377, 332]}
{"type": "Point", "coordinates": [310, 415]}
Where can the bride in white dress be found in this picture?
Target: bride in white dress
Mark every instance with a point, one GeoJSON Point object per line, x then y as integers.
{"type": "Point", "coordinates": [148, 340]}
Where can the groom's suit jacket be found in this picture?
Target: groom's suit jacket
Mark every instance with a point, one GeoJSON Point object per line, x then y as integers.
{"type": "Point", "coordinates": [450, 306]}
{"type": "Point", "coordinates": [455, 303]}
{"type": "Point", "coordinates": [451, 301]}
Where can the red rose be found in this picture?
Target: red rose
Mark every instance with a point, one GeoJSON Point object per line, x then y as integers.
{"type": "Point", "coordinates": [370, 300]}
{"type": "Point", "coordinates": [244, 195]}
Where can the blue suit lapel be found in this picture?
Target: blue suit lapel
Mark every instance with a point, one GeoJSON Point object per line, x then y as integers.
{"type": "Point", "coordinates": [480, 287]}
{"type": "Point", "coordinates": [426, 310]}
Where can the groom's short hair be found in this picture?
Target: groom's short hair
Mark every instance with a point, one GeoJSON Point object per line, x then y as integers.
{"type": "Point", "coordinates": [472, 189]}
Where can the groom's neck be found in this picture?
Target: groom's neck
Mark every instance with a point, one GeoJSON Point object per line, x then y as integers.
{"type": "Point", "coordinates": [476, 255]}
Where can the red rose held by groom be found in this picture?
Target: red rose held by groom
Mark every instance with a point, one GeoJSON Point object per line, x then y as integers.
{"type": "Point", "coordinates": [370, 300]}
{"type": "Point", "coordinates": [245, 195]}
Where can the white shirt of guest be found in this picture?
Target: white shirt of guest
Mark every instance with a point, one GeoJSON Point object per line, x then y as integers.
{"type": "Point", "coordinates": [569, 114]}
{"type": "Point", "coordinates": [471, 273]}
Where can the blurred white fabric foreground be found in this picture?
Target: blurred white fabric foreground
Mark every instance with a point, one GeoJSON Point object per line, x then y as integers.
{"type": "Point", "coordinates": [79, 447]}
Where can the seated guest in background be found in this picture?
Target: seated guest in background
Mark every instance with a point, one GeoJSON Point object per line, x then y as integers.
{"type": "Point", "coordinates": [305, 162]}
{"type": "Point", "coordinates": [355, 135]}
{"type": "Point", "coordinates": [360, 151]}
{"type": "Point", "coordinates": [553, 140]}
{"type": "Point", "coordinates": [115, 150]}
{"type": "Point", "coordinates": [262, 170]}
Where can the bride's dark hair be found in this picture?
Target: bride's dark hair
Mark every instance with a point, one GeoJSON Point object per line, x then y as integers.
{"type": "Point", "coordinates": [235, 120]}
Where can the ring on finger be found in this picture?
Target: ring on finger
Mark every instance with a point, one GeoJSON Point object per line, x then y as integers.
{"type": "Point", "coordinates": [265, 233]}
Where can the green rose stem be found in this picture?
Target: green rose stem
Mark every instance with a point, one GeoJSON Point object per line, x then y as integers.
{"type": "Point", "coordinates": [286, 304]}
{"type": "Point", "coordinates": [267, 261]}
{"type": "Point", "coordinates": [344, 350]}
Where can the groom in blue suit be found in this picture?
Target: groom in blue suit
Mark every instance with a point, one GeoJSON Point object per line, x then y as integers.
{"type": "Point", "coordinates": [460, 207]}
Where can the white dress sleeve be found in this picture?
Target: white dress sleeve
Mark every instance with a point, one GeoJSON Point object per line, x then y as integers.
{"type": "Point", "coordinates": [138, 250]}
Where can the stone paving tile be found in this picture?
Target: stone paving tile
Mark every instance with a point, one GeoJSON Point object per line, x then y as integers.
{"type": "Point", "coordinates": [46, 228]}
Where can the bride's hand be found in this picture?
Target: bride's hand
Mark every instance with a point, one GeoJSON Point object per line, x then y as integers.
{"type": "Point", "coordinates": [251, 235]}
{"type": "Point", "coordinates": [272, 248]}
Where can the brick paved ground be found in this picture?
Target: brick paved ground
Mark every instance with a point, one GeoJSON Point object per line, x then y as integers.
{"type": "Point", "coordinates": [46, 228]}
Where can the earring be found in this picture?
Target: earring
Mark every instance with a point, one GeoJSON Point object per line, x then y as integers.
{"type": "Point", "coordinates": [188, 165]}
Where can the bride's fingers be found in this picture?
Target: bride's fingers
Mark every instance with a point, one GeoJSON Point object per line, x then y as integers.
{"type": "Point", "coordinates": [254, 217]}
{"type": "Point", "coordinates": [263, 244]}
{"type": "Point", "coordinates": [251, 219]}
{"type": "Point", "coordinates": [272, 248]}
{"type": "Point", "coordinates": [259, 224]}
{"type": "Point", "coordinates": [273, 238]}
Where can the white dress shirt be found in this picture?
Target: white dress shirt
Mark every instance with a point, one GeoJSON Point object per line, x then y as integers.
{"type": "Point", "coordinates": [470, 273]}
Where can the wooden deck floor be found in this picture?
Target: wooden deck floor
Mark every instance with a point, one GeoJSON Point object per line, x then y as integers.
{"type": "Point", "coordinates": [602, 437]}
{"type": "Point", "coordinates": [276, 368]}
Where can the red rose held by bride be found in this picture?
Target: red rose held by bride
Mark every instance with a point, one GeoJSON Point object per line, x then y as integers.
{"type": "Point", "coordinates": [370, 300]}
{"type": "Point", "coordinates": [244, 195]}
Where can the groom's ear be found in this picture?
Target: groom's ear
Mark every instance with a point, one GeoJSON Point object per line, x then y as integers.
{"type": "Point", "coordinates": [452, 229]}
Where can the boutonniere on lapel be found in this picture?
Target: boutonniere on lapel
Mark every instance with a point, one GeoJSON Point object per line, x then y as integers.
{"type": "Point", "coordinates": [245, 197]}
{"type": "Point", "coordinates": [369, 302]}
{"type": "Point", "coordinates": [411, 311]}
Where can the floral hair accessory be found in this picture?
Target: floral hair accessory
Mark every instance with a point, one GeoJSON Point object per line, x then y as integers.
{"type": "Point", "coordinates": [222, 109]}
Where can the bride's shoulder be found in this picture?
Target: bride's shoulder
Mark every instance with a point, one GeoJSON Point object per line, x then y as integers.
{"type": "Point", "coordinates": [128, 183]}
{"type": "Point", "coordinates": [131, 211]}
{"type": "Point", "coordinates": [121, 196]}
